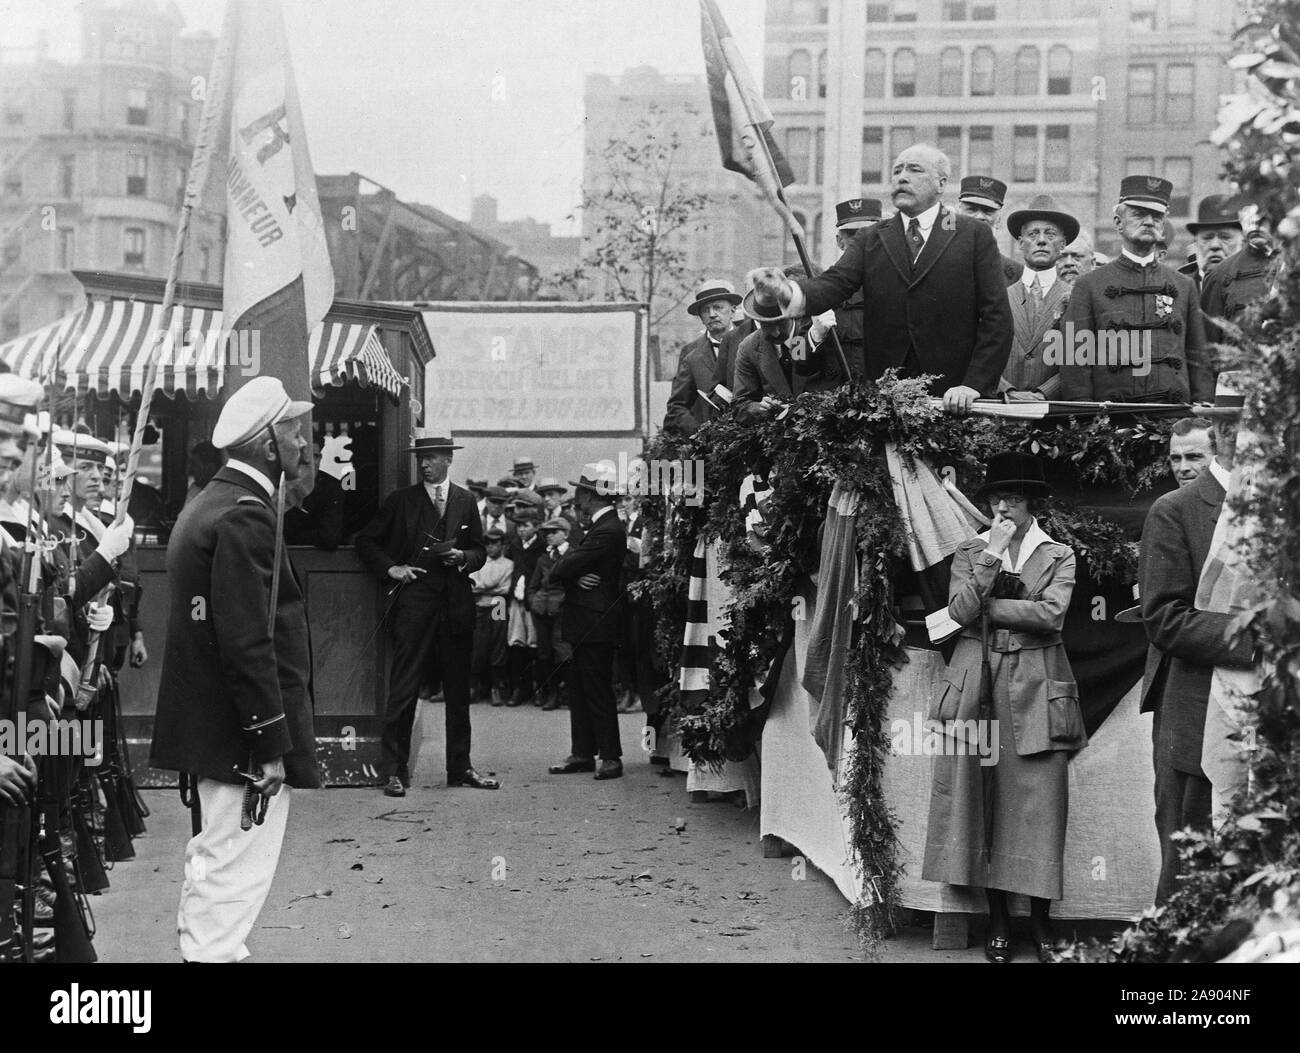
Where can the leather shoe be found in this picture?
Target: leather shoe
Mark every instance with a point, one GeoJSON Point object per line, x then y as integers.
{"type": "Point", "coordinates": [997, 949]}
{"type": "Point", "coordinates": [610, 769]}
{"type": "Point", "coordinates": [572, 765]}
{"type": "Point", "coordinates": [469, 777]}
{"type": "Point", "coordinates": [394, 788]}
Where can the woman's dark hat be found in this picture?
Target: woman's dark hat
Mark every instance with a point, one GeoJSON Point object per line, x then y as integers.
{"type": "Point", "coordinates": [433, 444]}
{"type": "Point", "coordinates": [1017, 472]}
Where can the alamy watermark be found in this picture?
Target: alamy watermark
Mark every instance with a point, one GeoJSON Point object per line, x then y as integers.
{"type": "Point", "coordinates": [53, 738]}
{"type": "Point", "coordinates": [238, 349]}
{"type": "Point", "coordinates": [920, 737]}
{"type": "Point", "coordinates": [1068, 346]}
{"type": "Point", "coordinates": [639, 477]}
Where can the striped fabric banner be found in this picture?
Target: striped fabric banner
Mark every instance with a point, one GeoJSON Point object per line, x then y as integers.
{"type": "Point", "coordinates": [106, 347]}
{"type": "Point", "coordinates": [698, 644]}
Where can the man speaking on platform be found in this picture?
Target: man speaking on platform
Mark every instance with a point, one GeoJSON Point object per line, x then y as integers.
{"type": "Point", "coordinates": [934, 295]}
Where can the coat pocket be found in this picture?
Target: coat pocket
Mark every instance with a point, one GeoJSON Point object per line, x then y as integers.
{"type": "Point", "coordinates": [1064, 718]}
{"type": "Point", "coordinates": [946, 703]}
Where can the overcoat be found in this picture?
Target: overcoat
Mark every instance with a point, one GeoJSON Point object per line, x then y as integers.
{"type": "Point", "coordinates": [699, 371]}
{"type": "Point", "coordinates": [230, 686]}
{"type": "Point", "coordinates": [590, 615]}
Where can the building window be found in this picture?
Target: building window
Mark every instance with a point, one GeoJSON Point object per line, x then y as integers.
{"type": "Point", "coordinates": [67, 247]}
{"type": "Point", "coordinates": [980, 150]}
{"type": "Point", "coordinates": [954, 11]}
{"type": "Point", "coordinates": [904, 10]}
{"type": "Point", "coordinates": [67, 177]}
{"type": "Point", "coordinates": [981, 71]}
{"type": "Point", "coordinates": [137, 175]}
{"type": "Point", "coordinates": [133, 247]}
{"type": "Point", "coordinates": [799, 70]}
{"type": "Point", "coordinates": [900, 138]}
{"type": "Point", "coordinates": [877, 12]}
{"type": "Point", "coordinates": [819, 158]}
{"type": "Point", "coordinates": [137, 106]}
{"type": "Point", "coordinates": [1140, 166]}
{"type": "Point", "coordinates": [798, 144]}
{"type": "Point", "coordinates": [822, 63]}
{"type": "Point", "coordinates": [1056, 158]}
{"type": "Point", "coordinates": [985, 11]}
{"type": "Point", "coordinates": [1024, 154]}
{"type": "Point", "coordinates": [1027, 71]}
{"type": "Point", "coordinates": [951, 69]}
{"type": "Point", "coordinates": [873, 81]}
{"type": "Point", "coordinates": [873, 155]}
{"type": "Point", "coordinates": [1084, 8]}
{"type": "Point", "coordinates": [1182, 13]}
{"type": "Point", "coordinates": [1179, 86]}
{"type": "Point", "coordinates": [1178, 170]}
{"type": "Point", "coordinates": [205, 263]}
{"type": "Point", "coordinates": [904, 73]}
{"type": "Point", "coordinates": [1059, 67]}
{"type": "Point", "coordinates": [1142, 15]}
{"type": "Point", "coordinates": [949, 141]}
{"type": "Point", "coordinates": [1141, 94]}
{"type": "Point", "coordinates": [69, 110]}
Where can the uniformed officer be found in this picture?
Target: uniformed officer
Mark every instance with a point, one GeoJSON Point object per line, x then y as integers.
{"type": "Point", "coordinates": [850, 217]}
{"type": "Point", "coordinates": [234, 704]}
{"type": "Point", "coordinates": [1134, 330]}
{"type": "Point", "coordinates": [982, 198]}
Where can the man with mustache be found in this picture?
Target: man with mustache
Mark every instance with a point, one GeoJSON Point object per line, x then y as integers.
{"type": "Point", "coordinates": [1217, 231]}
{"type": "Point", "coordinates": [1076, 259]}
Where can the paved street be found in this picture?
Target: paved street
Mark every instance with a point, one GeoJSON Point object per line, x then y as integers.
{"type": "Point", "coordinates": [548, 868]}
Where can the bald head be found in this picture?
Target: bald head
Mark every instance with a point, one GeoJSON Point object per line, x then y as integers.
{"type": "Point", "coordinates": [918, 177]}
{"type": "Point", "coordinates": [1076, 258]}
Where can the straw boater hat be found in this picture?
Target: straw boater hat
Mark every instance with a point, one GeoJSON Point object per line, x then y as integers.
{"type": "Point", "coordinates": [1228, 398]}
{"type": "Point", "coordinates": [1044, 207]}
{"type": "Point", "coordinates": [600, 479]}
{"type": "Point", "coordinates": [712, 289]}
{"type": "Point", "coordinates": [551, 483]}
{"type": "Point", "coordinates": [433, 444]}
{"type": "Point", "coordinates": [259, 404]}
{"type": "Point", "coordinates": [523, 464]}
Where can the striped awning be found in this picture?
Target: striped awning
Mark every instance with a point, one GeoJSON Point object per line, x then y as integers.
{"type": "Point", "coordinates": [106, 346]}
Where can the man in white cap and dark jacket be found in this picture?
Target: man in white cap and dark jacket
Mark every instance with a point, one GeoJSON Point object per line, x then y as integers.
{"type": "Point", "coordinates": [234, 704]}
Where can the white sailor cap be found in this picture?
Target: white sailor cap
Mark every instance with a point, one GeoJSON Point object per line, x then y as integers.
{"type": "Point", "coordinates": [259, 403]}
{"type": "Point", "coordinates": [19, 397]}
{"type": "Point", "coordinates": [80, 446]}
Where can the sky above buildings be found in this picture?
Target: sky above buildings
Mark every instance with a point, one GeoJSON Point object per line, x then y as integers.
{"type": "Point", "coordinates": [440, 100]}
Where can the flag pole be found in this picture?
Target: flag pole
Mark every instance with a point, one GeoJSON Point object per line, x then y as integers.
{"type": "Point", "coordinates": [194, 184]}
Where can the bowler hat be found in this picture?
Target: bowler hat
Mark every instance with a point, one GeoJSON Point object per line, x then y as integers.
{"type": "Point", "coordinates": [712, 289]}
{"type": "Point", "coordinates": [433, 444]}
{"type": "Point", "coordinates": [1044, 207]}
{"type": "Point", "coordinates": [1217, 210]}
{"type": "Point", "coordinates": [1016, 472]}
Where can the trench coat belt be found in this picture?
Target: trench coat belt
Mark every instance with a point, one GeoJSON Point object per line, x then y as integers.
{"type": "Point", "coordinates": [1005, 641]}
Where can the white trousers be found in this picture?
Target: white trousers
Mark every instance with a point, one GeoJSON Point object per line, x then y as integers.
{"type": "Point", "coordinates": [228, 873]}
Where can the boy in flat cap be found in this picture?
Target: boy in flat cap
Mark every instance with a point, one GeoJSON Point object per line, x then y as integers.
{"type": "Point", "coordinates": [491, 584]}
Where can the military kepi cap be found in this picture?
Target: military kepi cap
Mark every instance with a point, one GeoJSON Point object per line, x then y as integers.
{"type": "Point", "coordinates": [259, 404]}
{"type": "Point", "coordinates": [983, 190]}
{"type": "Point", "coordinates": [1146, 191]}
{"type": "Point", "coordinates": [857, 212]}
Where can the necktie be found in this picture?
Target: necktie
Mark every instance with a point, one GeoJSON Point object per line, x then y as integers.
{"type": "Point", "coordinates": [438, 502]}
{"type": "Point", "coordinates": [1035, 299]}
{"type": "Point", "coordinates": [914, 239]}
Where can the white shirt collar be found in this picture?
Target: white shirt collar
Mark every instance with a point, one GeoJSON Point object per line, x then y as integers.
{"type": "Point", "coordinates": [1141, 261]}
{"type": "Point", "coordinates": [1045, 278]}
{"type": "Point", "coordinates": [432, 490]}
{"type": "Point", "coordinates": [562, 547]}
{"type": "Point", "coordinates": [255, 474]}
{"type": "Point", "coordinates": [1034, 537]}
{"type": "Point", "coordinates": [596, 515]}
{"type": "Point", "coordinates": [926, 219]}
{"type": "Point", "coordinates": [1221, 474]}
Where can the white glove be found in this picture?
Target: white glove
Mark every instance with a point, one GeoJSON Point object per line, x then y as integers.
{"type": "Point", "coordinates": [116, 539]}
{"type": "Point", "coordinates": [99, 616]}
{"type": "Point", "coordinates": [821, 325]}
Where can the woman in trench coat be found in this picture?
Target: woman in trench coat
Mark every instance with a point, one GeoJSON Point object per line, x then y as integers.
{"type": "Point", "coordinates": [997, 821]}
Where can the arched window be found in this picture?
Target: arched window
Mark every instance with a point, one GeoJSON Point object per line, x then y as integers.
{"type": "Point", "coordinates": [981, 71]}
{"type": "Point", "coordinates": [950, 71]}
{"type": "Point", "coordinates": [799, 72]}
{"type": "Point", "coordinates": [1059, 67]}
{"type": "Point", "coordinates": [904, 73]}
{"type": "Point", "coordinates": [873, 81]}
{"type": "Point", "coordinates": [1027, 71]}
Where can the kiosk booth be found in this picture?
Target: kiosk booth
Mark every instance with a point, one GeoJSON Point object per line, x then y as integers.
{"type": "Point", "coordinates": [368, 365]}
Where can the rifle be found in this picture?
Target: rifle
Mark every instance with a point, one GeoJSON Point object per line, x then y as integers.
{"type": "Point", "coordinates": [72, 930]}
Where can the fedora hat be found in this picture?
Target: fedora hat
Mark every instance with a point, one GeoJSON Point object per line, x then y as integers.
{"type": "Point", "coordinates": [1019, 472]}
{"type": "Point", "coordinates": [1229, 399]}
{"type": "Point", "coordinates": [712, 289]}
{"type": "Point", "coordinates": [599, 478]}
{"type": "Point", "coordinates": [1044, 207]}
{"type": "Point", "coordinates": [432, 444]}
{"type": "Point", "coordinates": [1217, 210]}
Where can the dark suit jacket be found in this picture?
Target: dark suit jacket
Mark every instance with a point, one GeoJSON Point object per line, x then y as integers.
{"type": "Point", "coordinates": [1027, 369]}
{"type": "Point", "coordinates": [697, 372]}
{"type": "Point", "coordinates": [229, 685]}
{"type": "Point", "coordinates": [393, 539]}
{"type": "Point", "coordinates": [1186, 644]}
{"type": "Point", "coordinates": [759, 373]}
{"type": "Point", "coordinates": [589, 615]}
{"type": "Point", "coordinates": [951, 309]}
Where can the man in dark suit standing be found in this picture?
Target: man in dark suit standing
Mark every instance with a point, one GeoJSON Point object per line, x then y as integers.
{"type": "Point", "coordinates": [706, 361]}
{"type": "Point", "coordinates": [234, 702]}
{"type": "Point", "coordinates": [424, 543]}
{"type": "Point", "coordinates": [982, 198]}
{"type": "Point", "coordinates": [589, 620]}
{"type": "Point", "coordinates": [1186, 643]}
{"type": "Point", "coordinates": [932, 285]}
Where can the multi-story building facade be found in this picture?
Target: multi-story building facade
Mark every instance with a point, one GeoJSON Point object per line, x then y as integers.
{"type": "Point", "coordinates": [93, 160]}
{"type": "Point", "coordinates": [549, 253]}
{"type": "Point", "coordinates": [729, 242]}
{"type": "Point", "coordinates": [1051, 96]}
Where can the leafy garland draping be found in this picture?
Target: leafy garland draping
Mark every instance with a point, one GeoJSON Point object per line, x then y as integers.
{"type": "Point", "coordinates": [840, 436]}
